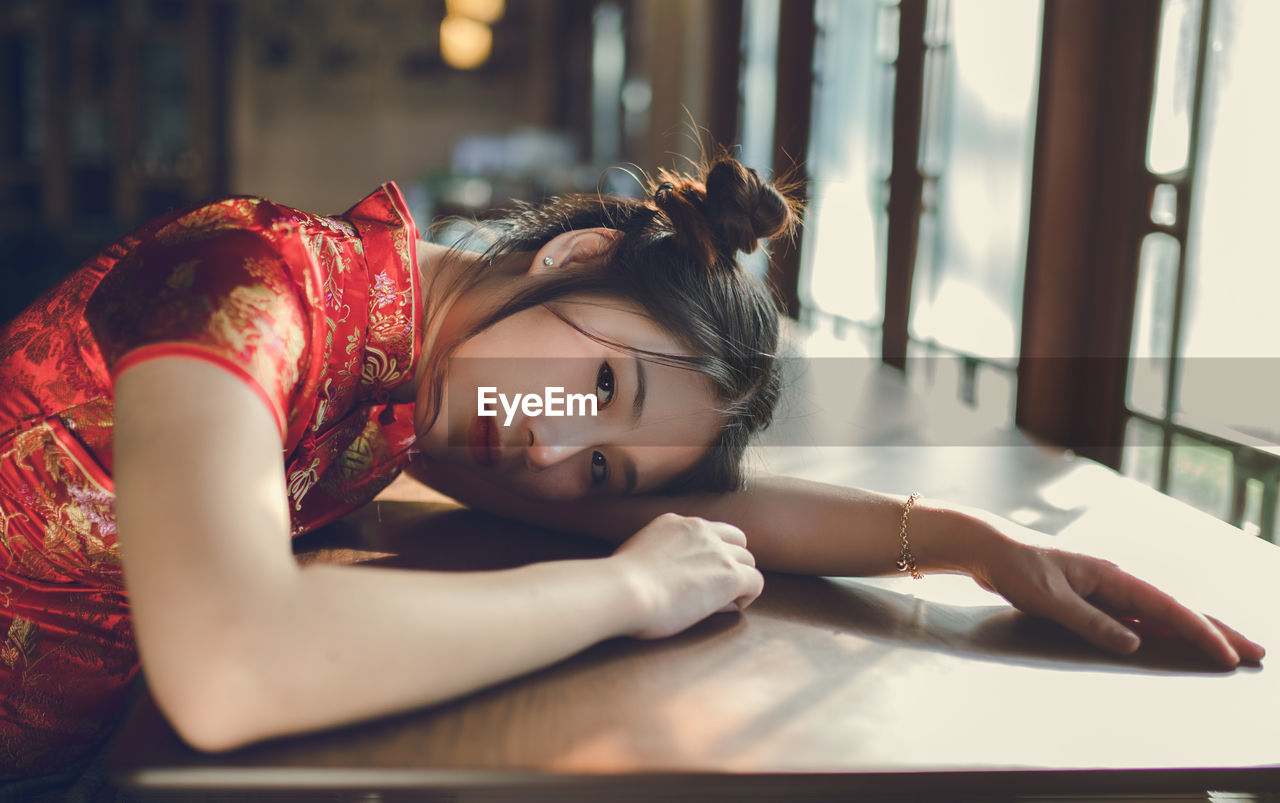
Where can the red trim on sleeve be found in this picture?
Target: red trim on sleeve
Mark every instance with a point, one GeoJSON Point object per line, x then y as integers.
{"type": "Point", "coordinates": [402, 207]}
{"type": "Point", "coordinates": [195, 351]}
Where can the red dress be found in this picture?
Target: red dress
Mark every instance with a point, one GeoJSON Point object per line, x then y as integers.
{"type": "Point", "coordinates": [316, 314]}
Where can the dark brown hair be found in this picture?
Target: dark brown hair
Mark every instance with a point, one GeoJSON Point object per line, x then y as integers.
{"type": "Point", "coordinates": [677, 260]}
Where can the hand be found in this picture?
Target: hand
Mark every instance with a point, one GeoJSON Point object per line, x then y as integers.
{"type": "Point", "coordinates": [685, 569]}
{"type": "Point", "coordinates": [1096, 599]}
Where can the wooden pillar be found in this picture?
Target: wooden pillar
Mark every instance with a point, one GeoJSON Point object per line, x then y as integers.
{"type": "Point", "coordinates": [724, 71]}
{"type": "Point", "coordinates": [905, 182]}
{"type": "Point", "coordinates": [1087, 199]}
{"type": "Point", "coordinates": [793, 108]}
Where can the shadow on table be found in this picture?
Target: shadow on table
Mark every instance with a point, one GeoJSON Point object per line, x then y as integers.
{"type": "Point", "coordinates": [991, 632]}
{"type": "Point", "coordinates": [438, 537]}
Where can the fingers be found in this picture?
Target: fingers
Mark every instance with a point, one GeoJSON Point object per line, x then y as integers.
{"type": "Point", "coordinates": [688, 568]}
{"type": "Point", "coordinates": [750, 583]}
{"type": "Point", "coordinates": [1127, 595]}
{"type": "Point", "coordinates": [1246, 650]}
{"type": "Point", "coordinates": [741, 554]}
{"type": "Point", "coordinates": [1096, 626]}
{"type": "Point", "coordinates": [1117, 595]}
{"type": "Point", "coordinates": [751, 586]}
{"type": "Point", "coordinates": [1249, 651]}
{"type": "Point", "coordinates": [754, 587]}
{"type": "Point", "coordinates": [732, 535]}
{"type": "Point", "coordinates": [736, 543]}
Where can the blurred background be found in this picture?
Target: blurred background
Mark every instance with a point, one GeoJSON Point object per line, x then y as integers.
{"type": "Point", "coordinates": [1059, 212]}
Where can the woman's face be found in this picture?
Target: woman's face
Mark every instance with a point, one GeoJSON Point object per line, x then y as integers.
{"type": "Point", "coordinates": [652, 421]}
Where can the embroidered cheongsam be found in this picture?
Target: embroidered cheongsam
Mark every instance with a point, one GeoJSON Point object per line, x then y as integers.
{"type": "Point", "coordinates": [317, 315]}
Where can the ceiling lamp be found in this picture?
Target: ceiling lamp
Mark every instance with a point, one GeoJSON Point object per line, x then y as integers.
{"type": "Point", "coordinates": [486, 11]}
{"type": "Point", "coordinates": [465, 44]}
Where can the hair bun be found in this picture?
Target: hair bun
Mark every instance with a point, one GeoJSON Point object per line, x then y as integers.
{"type": "Point", "coordinates": [732, 211]}
{"type": "Point", "coordinates": [743, 208]}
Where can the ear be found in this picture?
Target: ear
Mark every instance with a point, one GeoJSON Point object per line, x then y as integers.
{"type": "Point", "coordinates": [573, 247]}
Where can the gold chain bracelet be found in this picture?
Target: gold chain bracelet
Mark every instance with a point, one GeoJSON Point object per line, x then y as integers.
{"type": "Point", "coordinates": [907, 561]}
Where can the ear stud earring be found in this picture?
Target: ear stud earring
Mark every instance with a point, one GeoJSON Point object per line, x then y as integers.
{"type": "Point", "coordinates": [548, 261]}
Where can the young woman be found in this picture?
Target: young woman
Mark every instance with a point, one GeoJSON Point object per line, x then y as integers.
{"type": "Point", "coordinates": [231, 375]}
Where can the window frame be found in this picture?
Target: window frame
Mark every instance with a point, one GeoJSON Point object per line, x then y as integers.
{"type": "Point", "coordinates": [1089, 212]}
{"type": "Point", "coordinates": [1248, 461]}
{"type": "Point", "coordinates": [1096, 76]}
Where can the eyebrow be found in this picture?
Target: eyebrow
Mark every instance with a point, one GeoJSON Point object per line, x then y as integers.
{"type": "Point", "coordinates": [637, 407]}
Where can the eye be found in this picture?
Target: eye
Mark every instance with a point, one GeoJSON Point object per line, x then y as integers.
{"type": "Point", "coordinates": [599, 468]}
{"type": "Point", "coordinates": [604, 385]}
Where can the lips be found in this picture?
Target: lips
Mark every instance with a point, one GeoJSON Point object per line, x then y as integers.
{"type": "Point", "coordinates": [482, 440]}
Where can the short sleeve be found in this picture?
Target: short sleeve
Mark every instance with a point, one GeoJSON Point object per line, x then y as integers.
{"type": "Point", "coordinates": [227, 298]}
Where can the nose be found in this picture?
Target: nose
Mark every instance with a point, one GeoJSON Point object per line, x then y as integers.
{"type": "Point", "coordinates": [548, 445]}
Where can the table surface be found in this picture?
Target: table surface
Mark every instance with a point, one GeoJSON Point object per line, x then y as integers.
{"type": "Point", "coordinates": [825, 685]}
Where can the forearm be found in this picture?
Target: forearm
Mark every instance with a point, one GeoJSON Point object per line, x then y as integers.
{"type": "Point", "coordinates": [339, 644]}
{"type": "Point", "coordinates": [805, 527]}
{"type": "Point", "coordinates": [792, 525]}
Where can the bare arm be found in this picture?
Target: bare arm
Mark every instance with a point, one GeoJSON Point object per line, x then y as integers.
{"type": "Point", "coordinates": [792, 525]}
{"type": "Point", "coordinates": [806, 527]}
{"type": "Point", "coordinates": [240, 644]}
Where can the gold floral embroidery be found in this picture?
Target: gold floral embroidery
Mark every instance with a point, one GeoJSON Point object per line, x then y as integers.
{"type": "Point", "coordinates": [241, 321]}
{"type": "Point", "coordinates": [76, 514]}
{"type": "Point", "coordinates": [333, 261]}
{"type": "Point", "coordinates": [392, 329]}
{"type": "Point", "coordinates": [264, 270]}
{"type": "Point", "coordinates": [244, 324]}
{"type": "Point", "coordinates": [389, 331]}
{"type": "Point", "coordinates": [340, 226]}
{"type": "Point", "coordinates": [300, 482]}
{"type": "Point", "coordinates": [379, 368]}
{"type": "Point", "coordinates": [6, 520]}
{"type": "Point", "coordinates": [400, 242]}
{"type": "Point", "coordinates": [93, 414]}
{"type": "Point", "coordinates": [21, 643]}
{"type": "Point", "coordinates": [312, 290]}
{"type": "Point", "coordinates": [52, 677]}
{"type": "Point", "coordinates": [205, 222]}
{"type": "Point", "coordinates": [93, 423]}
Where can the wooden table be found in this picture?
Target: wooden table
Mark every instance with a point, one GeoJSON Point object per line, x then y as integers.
{"type": "Point", "coordinates": [825, 687]}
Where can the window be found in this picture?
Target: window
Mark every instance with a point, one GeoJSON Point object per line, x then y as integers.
{"type": "Point", "coordinates": [1145, 335]}
{"type": "Point", "coordinates": [976, 144]}
{"type": "Point", "coordinates": [969, 141]}
{"type": "Point", "coordinates": [842, 277]}
{"type": "Point", "coordinates": [1205, 359]}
